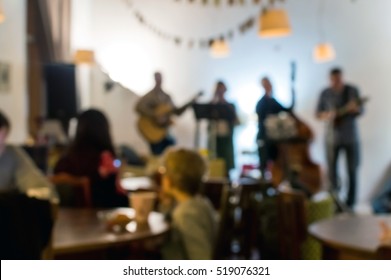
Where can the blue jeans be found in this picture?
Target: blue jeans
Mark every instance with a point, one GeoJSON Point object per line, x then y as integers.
{"type": "Point", "coordinates": [352, 161]}
{"type": "Point", "coordinates": [158, 148]}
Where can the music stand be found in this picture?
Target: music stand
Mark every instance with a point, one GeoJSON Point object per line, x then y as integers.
{"type": "Point", "coordinates": [212, 113]}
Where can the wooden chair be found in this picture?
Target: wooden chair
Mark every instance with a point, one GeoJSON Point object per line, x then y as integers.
{"type": "Point", "coordinates": [251, 192]}
{"type": "Point", "coordinates": [222, 248]}
{"type": "Point", "coordinates": [292, 223]}
{"type": "Point", "coordinates": [73, 191]}
{"type": "Point", "coordinates": [383, 252]}
{"type": "Point", "coordinates": [213, 189]}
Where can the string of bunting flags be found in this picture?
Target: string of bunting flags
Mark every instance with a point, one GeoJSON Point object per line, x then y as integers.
{"type": "Point", "coordinates": [221, 2]}
{"type": "Point", "coordinates": [218, 3]}
{"type": "Point", "coordinates": [205, 42]}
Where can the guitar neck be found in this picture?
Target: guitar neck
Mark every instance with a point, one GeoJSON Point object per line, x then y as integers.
{"type": "Point", "coordinates": [186, 105]}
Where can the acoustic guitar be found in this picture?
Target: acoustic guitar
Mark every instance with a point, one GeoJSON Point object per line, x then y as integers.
{"type": "Point", "coordinates": [154, 129]}
{"type": "Point", "coordinates": [340, 113]}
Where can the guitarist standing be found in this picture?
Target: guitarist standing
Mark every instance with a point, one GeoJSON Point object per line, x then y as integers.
{"type": "Point", "coordinates": [339, 105]}
{"type": "Point", "coordinates": [157, 107]}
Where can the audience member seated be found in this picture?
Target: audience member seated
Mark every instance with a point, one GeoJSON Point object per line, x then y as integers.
{"type": "Point", "coordinates": [193, 226]}
{"type": "Point", "coordinates": [51, 132]}
{"type": "Point", "coordinates": [26, 203]}
{"type": "Point", "coordinates": [92, 155]}
{"type": "Point", "coordinates": [18, 172]}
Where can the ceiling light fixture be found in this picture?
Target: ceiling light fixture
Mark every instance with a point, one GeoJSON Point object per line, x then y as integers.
{"type": "Point", "coordinates": [324, 52]}
{"type": "Point", "coordinates": [274, 23]}
{"type": "Point", "coordinates": [84, 57]}
{"type": "Point", "coordinates": [219, 48]}
{"type": "Point", "coordinates": [2, 16]}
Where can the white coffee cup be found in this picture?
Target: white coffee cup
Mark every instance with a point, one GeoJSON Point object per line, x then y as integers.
{"type": "Point", "coordinates": [142, 203]}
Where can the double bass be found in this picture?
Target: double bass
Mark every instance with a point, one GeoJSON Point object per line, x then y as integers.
{"type": "Point", "coordinates": [293, 162]}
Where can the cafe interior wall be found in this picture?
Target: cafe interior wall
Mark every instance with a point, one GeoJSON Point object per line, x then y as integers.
{"type": "Point", "coordinates": [13, 101]}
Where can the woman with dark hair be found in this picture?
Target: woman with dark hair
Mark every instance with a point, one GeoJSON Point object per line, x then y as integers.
{"type": "Point", "coordinates": [91, 156]}
{"type": "Point", "coordinates": [223, 130]}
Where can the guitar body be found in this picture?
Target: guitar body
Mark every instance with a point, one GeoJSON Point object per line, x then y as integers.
{"type": "Point", "coordinates": [342, 112]}
{"type": "Point", "coordinates": [294, 158]}
{"type": "Point", "coordinates": [152, 131]}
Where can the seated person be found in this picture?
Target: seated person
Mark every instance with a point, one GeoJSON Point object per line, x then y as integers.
{"type": "Point", "coordinates": [91, 157]}
{"type": "Point", "coordinates": [193, 222]}
{"type": "Point", "coordinates": [17, 170]}
{"type": "Point", "coordinates": [51, 132]}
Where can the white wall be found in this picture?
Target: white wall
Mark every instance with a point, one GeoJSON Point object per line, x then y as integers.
{"type": "Point", "coordinates": [118, 105]}
{"type": "Point", "coordinates": [360, 32]}
{"type": "Point", "coordinates": [13, 51]}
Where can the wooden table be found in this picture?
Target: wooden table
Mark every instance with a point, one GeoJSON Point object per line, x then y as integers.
{"type": "Point", "coordinates": [83, 230]}
{"type": "Point", "coordinates": [348, 236]}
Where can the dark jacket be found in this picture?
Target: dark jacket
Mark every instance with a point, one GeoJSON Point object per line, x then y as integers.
{"type": "Point", "coordinates": [26, 226]}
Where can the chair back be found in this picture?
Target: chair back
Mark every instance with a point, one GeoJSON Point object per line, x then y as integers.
{"type": "Point", "coordinates": [292, 223]}
{"type": "Point", "coordinates": [248, 225]}
{"type": "Point", "coordinates": [222, 248]}
{"type": "Point", "coordinates": [73, 191]}
{"type": "Point", "coordinates": [214, 190]}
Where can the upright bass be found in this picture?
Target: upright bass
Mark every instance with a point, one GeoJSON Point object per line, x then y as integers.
{"type": "Point", "coordinates": [294, 163]}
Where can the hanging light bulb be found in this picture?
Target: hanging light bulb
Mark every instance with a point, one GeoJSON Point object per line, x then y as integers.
{"type": "Point", "coordinates": [324, 52]}
{"type": "Point", "coordinates": [219, 48]}
{"type": "Point", "coordinates": [274, 23]}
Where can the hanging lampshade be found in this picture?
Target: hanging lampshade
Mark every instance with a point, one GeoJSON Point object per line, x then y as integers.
{"type": "Point", "coordinates": [2, 16]}
{"type": "Point", "coordinates": [274, 23]}
{"type": "Point", "coordinates": [324, 52]}
{"type": "Point", "coordinates": [219, 48]}
{"type": "Point", "coordinates": [84, 57]}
